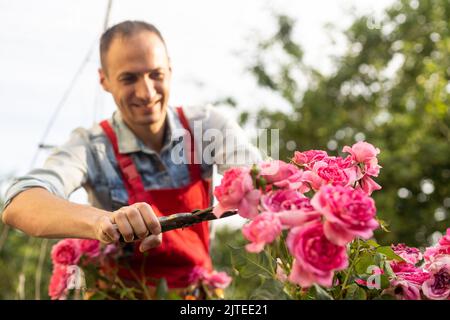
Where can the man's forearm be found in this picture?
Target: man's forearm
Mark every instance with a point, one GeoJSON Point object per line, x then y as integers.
{"type": "Point", "coordinates": [39, 213]}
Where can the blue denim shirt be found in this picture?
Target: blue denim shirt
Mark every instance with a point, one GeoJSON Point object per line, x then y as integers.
{"type": "Point", "coordinates": [87, 159]}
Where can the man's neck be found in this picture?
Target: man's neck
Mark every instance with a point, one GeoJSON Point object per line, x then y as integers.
{"type": "Point", "coordinates": [152, 136]}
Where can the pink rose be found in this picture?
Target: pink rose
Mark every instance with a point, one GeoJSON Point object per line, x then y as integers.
{"type": "Point", "coordinates": [217, 279]}
{"type": "Point", "coordinates": [316, 258]}
{"type": "Point", "coordinates": [432, 253]}
{"type": "Point", "coordinates": [401, 266]}
{"type": "Point", "coordinates": [445, 240]}
{"type": "Point", "coordinates": [66, 252]}
{"type": "Point", "coordinates": [197, 274]}
{"type": "Point", "coordinates": [348, 213]}
{"type": "Point", "coordinates": [368, 185]}
{"type": "Point", "coordinates": [308, 158]}
{"type": "Point", "coordinates": [417, 277]}
{"type": "Point", "coordinates": [409, 254]}
{"type": "Point", "coordinates": [213, 279]}
{"type": "Point", "coordinates": [284, 199]}
{"type": "Point", "coordinates": [362, 151]}
{"type": "Point", "coordinates": [403, 290]}
{"type": "Point", "coordinates": [58, 282]}
{"type": "Point", "coordinates": [283, 175]}
{"type": "Point", "coordinates": [90, 248]}
{"type": "Point", "coordinates": [262, 230]}
{"type": "Point", "coordinates": [332, 170]}
{"type": "Point", "coordinates": [437, 287]}
{"type": "Point", "coordinates": [293, 208]}
{"type": "Point", "coordinates": [236, 191]}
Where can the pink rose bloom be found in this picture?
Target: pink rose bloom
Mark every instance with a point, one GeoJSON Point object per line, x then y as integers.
{"type": "Point", "coordinates": [293, 208]}
{"type": "Point", "coordinates": [316, 258]}
{"type": "Point", "coordinates": [308, 158]}
{"type": "Point", "coordinates": [362, 151]}
{"type": "Point", "coordinates": [368, 185]}
{"type": "Point", "coordinates": [283, 175]}
{"type": "Point", "coordinates": [58, 282]}
{"type": "Point", "coordinates": [263, 229]}
{"type": "Point", "coordinates": [445, 240]}
{"type": "Point", "coordinates": [197, 274]}
{"type": "Point", "coordinates": [437, 287]}
{"type": "Point", "coordinates": [403, 290]}
{"type": "Point", "coordinates": [409, 254]}
{"type": "Point", "coordinates": [89, 247]}
{"type": "Point", "coordinates": [432, 253]}
{"type": "Point", "coordinates": [213, 279]}
{"type": "Point", "coordinates": [217, 279]}
{"type": "Point", "coordinates": [332, 170]}
{"type": "Point", "coordinates": [401, 266]}
{"type": "Point", "coordinates": [348, 213]}
{"type": "Point", "coordinates": [66, 252]}
{"type": "Point", "coordinates": [365, 153]}
{"type": "Point", "coordinates": [236, 191]}
{"type": "Point", "coordinates": [371, 168]}
{"type": "Point", "coordinates": [284, 199]}
{"type": "Point", "coordinates": [417, 277]}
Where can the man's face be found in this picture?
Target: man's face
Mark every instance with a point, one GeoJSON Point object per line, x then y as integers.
{"type": "Point", "coordinates": [138, 76]}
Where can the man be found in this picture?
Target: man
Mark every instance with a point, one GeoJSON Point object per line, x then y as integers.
{"type": "Point", "coordinates": [129, 165]}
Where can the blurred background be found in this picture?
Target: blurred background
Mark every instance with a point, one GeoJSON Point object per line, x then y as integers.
{"type": "Point", "coordinates": [326, 73]}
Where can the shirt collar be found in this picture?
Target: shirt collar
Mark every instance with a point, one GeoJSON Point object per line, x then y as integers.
{"type": "Point", "coordinates": [128, 142]}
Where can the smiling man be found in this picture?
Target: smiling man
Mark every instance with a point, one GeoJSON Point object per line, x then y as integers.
{"type": "Point", "coordinates": [128, 166]}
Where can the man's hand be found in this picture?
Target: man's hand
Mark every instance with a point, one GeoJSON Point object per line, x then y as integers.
{"type": "Point", "coordinates": [137, 220]}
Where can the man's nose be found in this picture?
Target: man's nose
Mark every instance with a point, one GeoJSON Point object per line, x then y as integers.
{"type": "Point", "coordinates": [145, 89]}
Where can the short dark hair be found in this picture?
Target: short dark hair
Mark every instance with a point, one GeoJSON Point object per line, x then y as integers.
{"type": "Point", "coordinates": [124, 29]}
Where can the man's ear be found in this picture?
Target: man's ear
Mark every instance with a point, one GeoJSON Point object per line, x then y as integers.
{"type": "Point", "coordinates": [103, 79]}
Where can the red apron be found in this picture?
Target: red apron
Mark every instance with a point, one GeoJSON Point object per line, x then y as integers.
{"type": "Point", "coordinates": [182, 249]}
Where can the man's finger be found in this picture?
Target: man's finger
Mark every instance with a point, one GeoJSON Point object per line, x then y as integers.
{"type": "Point", "coordinates": [150, 242]}
{"type": "Point", "coordinates": [137, 222]}
{"type": "Point", "coordinates": [120, 218]}
{"type": "Point", "coordinates": [107, 233]}
{"type": "Point", "coordinates": [150, 218]}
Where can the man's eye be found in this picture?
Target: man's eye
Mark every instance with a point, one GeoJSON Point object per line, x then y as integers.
{"type": "Point", "coordinates": [127, 80]}
{"type": "Point", "coordinates": [157, 75]}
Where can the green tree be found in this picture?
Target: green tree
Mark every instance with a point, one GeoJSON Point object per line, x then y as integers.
{"type": "Point", "coordinates": [391, 88]}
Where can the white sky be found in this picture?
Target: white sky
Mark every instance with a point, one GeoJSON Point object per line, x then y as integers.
{"type": "Point", "coordinates": [42, 44]}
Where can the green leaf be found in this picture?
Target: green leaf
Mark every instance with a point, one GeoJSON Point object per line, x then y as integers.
{"type": "Point", "coordinates": [270, 289]}
{"type": "Point", "coordinates": [249, 264]}
{"type": "Point", "coordinates": [355, 292]}
{"type": "Point", "coordinates": [363, 263]}
{"type": "Point", "coordinates": [384, 282]}
{"type": "Point", "coordinates": [372, 243]}
{"type": "Point", "coordinates": [389, 253]}
{"type": "Point", "coordinates": [320, 293]}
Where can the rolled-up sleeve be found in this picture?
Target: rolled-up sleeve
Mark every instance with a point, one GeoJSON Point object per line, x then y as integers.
{"type": "Point", "coordinates": [64, 171]}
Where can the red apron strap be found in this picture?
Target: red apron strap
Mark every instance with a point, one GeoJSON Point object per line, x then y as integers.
{"type": "Point", "coordinates": [131, 177]}
{"type": "Point", "coordinates": [194, 167]}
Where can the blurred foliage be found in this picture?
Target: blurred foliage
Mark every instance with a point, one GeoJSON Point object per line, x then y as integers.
{"type": "Point", "coordinates": [390, 88]}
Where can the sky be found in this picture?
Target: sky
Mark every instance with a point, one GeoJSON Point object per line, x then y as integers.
{"type": "Point", "coordinates": [43, 43]}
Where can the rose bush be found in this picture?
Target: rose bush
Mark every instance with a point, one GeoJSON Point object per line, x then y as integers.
{"type": "Point", "coordinates": [313, 220]}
